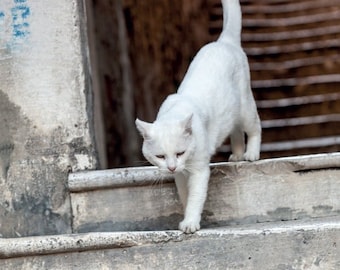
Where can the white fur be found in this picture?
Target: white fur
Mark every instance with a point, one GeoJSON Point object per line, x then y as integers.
{"type": "Point", "coordinates": [213, 102]}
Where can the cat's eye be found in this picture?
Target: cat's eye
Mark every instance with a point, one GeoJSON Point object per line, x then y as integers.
{"type": "Point", "coordinates": [180, 154]}
{"type": "Point", "coordinates": [160, 156]}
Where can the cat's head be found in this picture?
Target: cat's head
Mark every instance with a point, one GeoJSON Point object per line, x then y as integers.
{"type": "Point", "coordinates": [167, 144]}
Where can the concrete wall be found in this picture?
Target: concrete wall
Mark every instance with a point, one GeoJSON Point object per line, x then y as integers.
{"type": "Point", "coordinates": [45, 113]}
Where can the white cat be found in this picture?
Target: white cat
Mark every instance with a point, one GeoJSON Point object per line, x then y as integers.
{"type": "Point", "coordinates": [213, 102]}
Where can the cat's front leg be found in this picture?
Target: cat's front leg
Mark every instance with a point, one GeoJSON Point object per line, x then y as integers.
{"type": "Point", "coordinates": [197, 193]}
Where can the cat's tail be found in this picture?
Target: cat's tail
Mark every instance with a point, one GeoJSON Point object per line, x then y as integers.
{"type": "Point", "coordinates": [232, 21]}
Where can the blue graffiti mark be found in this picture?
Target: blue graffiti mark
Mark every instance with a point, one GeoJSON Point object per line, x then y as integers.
{"type": "Point", "coordinates": [14, 26]}
{"type": "Point", "coordinates": [20, 11]}
{"type": "Point", "coordinates": [20, 24]}
{"type": "Point", "coordinates": [2, 32]}
{"type": "Point", "coordinates": [20, 30]}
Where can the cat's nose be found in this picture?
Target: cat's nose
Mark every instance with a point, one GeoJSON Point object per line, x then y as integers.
{"type": "Point", "coordinates": [171, 169]}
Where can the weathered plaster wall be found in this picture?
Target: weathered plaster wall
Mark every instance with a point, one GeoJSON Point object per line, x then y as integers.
{"type": "Point", "coordinates": [45, 113]}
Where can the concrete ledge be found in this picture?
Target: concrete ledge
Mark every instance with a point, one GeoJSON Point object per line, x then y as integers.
{"type": "Point", "coordinates": [42, 245]}
{"type": "Point", "coordinates": [261, 246]}
{"type": "Point", "coordinates": [115, 178]}
{"type": "Point", "coordinates": [137, 199]}
{"type": "Point", "coordinates": [139, 176]}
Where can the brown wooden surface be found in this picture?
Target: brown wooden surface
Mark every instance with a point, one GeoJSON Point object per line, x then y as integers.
{"type": "Point", "coordinates": [293, 50]}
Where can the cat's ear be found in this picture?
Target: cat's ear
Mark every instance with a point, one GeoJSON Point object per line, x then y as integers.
{"type": "Point", "coordinates": [144, 128]}
{"type": "Point", "coordinates": [187, 125]}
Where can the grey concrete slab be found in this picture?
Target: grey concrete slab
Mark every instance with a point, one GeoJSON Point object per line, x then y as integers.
{"type": "Point", "coordinates": [239, 193]}
{"type": "Point", "coordinates": [312, 244]}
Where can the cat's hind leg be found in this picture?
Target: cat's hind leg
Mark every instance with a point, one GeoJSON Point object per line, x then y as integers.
{"type": "Point", "coordinates": [237, 145]}
{"type": "Point", "coordinates": [253, 131]}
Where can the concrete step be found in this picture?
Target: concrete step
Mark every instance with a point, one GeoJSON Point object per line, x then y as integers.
{"type": "Point", "coordinates": [134, 199]}
{"type": "Point", "coordinates": [309, 244]}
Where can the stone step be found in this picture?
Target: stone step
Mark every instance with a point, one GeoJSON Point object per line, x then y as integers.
{"type": "Point", "coordinates": [308, 244]}
{"type": "Point", "coordinates": [136, 199]}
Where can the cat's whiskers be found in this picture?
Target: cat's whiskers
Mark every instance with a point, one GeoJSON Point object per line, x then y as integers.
{"type": "Point", "coordinates": [157, 181]}
{"type": "Point", "coordinates": [157, 184]}
{"type": "Point", "coordinates": [189, 167]}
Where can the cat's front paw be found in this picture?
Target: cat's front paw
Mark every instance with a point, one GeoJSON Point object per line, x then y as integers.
{"type": "Point", "coordinates": [251, 156]}
{"type": "Point", "coordinates": [189, 226]}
